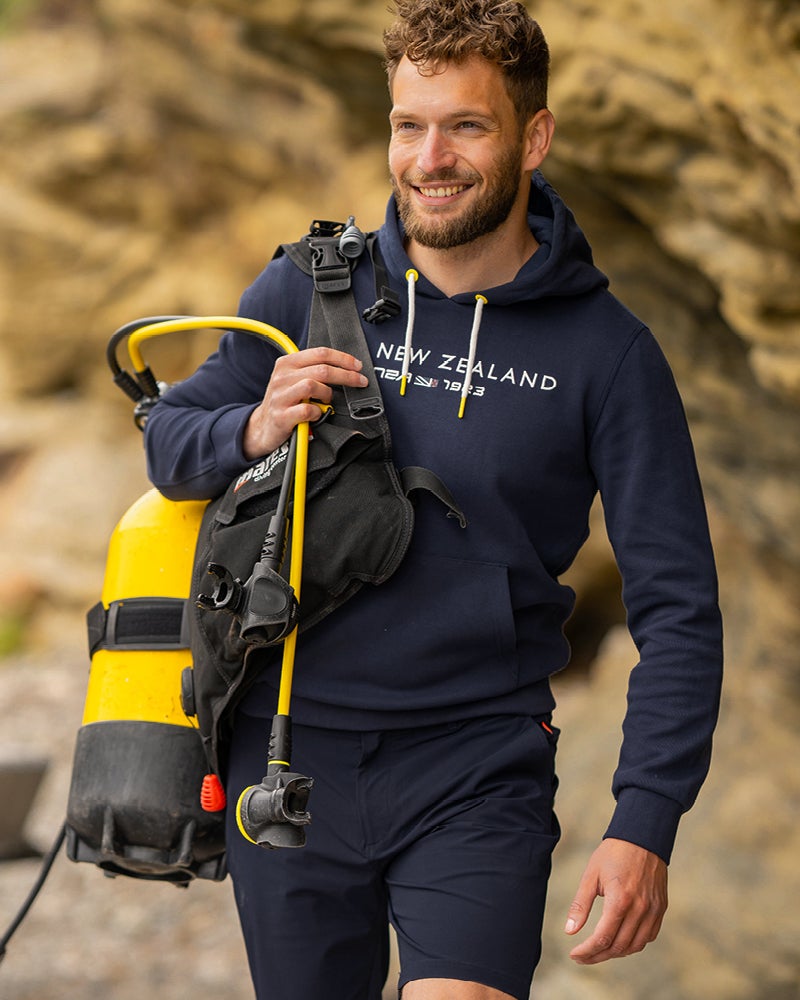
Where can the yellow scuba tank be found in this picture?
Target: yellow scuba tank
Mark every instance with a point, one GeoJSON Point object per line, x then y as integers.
{"type": "Point", "coordinates": [134, 804]}
{"type": "Point", "coordinates": [140, 800]}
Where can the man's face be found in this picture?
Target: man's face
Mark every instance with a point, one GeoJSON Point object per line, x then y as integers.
{"type": "Point", "coordinates": [456, 152]}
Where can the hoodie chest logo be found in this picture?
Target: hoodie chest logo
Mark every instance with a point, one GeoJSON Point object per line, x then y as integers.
{"type": "Point", "coordinates": [447, 372]}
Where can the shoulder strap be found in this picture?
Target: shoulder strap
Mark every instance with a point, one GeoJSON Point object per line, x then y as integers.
{"type": "Point", "coordinates": [335, 314]}
{"type": "Point", "coordinates": [335, 321]}
{"type": "Point", "coordinates": [298, 253]}
{"type": "Point", "coordinates": [387, 301]}
{"type": "Point", "coordinates": [318, 256]}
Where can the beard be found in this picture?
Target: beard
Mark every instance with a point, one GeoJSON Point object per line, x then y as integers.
{"type": "Point", "coordinates": [474, 221]}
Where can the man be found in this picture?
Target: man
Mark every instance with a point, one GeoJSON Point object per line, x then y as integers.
{"type": "Point", "coordinates": [422, 708]}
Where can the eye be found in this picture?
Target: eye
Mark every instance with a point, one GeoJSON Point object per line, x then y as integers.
{"type": "Point", "coordinates": [470, 127]}
{"type": "Point", "coordinates": [405, 126]}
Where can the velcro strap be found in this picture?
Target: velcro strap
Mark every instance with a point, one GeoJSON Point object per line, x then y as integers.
{"type": "Point", "coordinates": [138, 623]}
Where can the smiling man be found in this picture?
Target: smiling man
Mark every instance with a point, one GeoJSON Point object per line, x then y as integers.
{"type": "Point", "coordinates": [461, 159]}
{"type": "Point", "coordinates": [423, 707]}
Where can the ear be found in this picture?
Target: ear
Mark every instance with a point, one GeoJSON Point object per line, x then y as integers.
{"type": "Point", "coordinates": [538, 136]}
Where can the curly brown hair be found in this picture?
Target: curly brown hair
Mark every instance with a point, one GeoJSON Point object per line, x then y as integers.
{"type": "Point", "coordinates": [435, 32]}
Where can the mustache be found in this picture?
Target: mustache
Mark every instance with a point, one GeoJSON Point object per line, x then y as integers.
{"type": "Point", "coordinates": [447, 176]}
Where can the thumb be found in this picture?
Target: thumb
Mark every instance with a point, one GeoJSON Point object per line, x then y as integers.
{"type": "Point", "coordinates": [581, 905]}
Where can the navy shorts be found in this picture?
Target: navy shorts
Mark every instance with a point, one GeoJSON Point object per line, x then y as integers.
{"type": "Point", "coordinates": [444, 831]}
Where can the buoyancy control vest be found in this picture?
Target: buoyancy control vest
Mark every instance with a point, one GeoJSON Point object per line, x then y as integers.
{"type": "Point", "coordinates": [359, 513]}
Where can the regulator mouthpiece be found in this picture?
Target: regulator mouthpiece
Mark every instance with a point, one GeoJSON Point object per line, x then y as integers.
{"type": "Point", "coordinates": [273, 814]}
{"type": "Point", "coordinates": [265, 605]}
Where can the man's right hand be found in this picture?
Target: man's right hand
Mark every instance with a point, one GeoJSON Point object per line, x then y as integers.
{"type": "Point", "coordinates": [296, 379]}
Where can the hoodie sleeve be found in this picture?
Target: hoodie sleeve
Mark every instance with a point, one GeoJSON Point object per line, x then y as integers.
{"type": "Point", "coordinates": [193, 436]}
{"type": "Point", "coordinates": [643, 460]}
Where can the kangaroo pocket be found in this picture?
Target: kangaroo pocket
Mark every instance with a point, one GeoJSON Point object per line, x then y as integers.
{"type": "Point", "coordinates": [439, 632]}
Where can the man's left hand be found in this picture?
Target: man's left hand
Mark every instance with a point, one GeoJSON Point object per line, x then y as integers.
{"type": "Point", "coordinates": [633, 884]}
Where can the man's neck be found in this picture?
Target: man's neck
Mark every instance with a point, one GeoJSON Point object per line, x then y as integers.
{"type": "Point", "coordinates": [491, 260]}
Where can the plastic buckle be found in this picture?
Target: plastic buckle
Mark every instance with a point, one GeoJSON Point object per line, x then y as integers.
{"type": "Point", "coordinates": [387, 307]}
{"type": "Point", "coordinates": [330, 269]}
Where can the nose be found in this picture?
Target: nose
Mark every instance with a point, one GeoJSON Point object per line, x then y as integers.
{"type": "Point", "coordinates": [435, 153]}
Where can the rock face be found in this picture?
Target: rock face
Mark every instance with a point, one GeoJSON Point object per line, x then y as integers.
{"type": "Point", "coordinates": [155, 152]}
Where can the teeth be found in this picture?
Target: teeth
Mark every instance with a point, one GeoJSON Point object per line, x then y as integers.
{"type": "Point", "coordinates": [443, 192]}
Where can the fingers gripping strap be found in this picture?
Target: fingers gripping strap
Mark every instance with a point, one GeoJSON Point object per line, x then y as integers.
{"type": "Point", "coordinates": [335, 320]}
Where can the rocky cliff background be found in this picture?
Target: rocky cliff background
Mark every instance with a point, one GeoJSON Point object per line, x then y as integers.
{"type": "Point", "coordinates": [153, 153]}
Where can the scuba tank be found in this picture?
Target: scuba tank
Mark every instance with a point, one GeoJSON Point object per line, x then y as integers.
{"type": "Point", "coordinates": [134, 804]}
{"type": "Point", "coordinates": [142, 802]}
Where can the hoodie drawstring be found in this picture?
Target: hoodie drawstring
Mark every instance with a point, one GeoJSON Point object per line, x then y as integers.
{"type": "Point", "coordinates": [480, 301]}
{"type": "Point", "coordinates": [411, 278]}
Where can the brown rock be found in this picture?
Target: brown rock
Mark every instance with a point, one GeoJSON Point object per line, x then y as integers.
{"type": "Point", "coordinates": [154, 154]}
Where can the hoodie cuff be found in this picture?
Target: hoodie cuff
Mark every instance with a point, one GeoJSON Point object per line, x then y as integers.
{"type": "Point", "coordinates": [227, 432]}
{"type": "Point", "coordinates": [647, 819]}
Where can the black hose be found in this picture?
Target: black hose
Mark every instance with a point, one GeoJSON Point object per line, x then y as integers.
{"type": "Point", "coordinates": [125, 331]}
{"type": "Point", "coordinates": [44, 871]}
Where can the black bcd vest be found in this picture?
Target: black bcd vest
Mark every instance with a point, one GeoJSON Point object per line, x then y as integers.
{"type": "Point", "coordinates": [359, 515]}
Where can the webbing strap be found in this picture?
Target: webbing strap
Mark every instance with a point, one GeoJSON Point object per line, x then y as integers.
{"type": "Point", "coordinates": [138, 623]}
{"type": "Point", "coordinates": [298, 253]}
{"type": "Point", "coordinates": [415, 477]}
{"type": "Point", "coordinates": [334, 320]}
{"type": "Point", "coordinates": [343, 325]}
{"type": "Point", "coordinates": [387, 301]}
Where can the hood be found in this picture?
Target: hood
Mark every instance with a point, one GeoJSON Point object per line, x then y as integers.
{"type": "Point", "coordinates": [561, 266]}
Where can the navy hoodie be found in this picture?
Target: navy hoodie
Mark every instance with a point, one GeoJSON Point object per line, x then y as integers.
{"type": "Point", "coordinates": [569, 394]}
